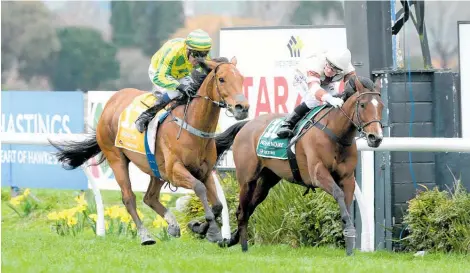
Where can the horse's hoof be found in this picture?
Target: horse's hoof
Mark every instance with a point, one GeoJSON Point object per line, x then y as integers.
{"type": "Point", "coordinates": [198, 227]}
{"type": "Point", "coordinates": [224, 243]}
{"type": "Point", "coordinates": [174, 231]}
{"type": "Point", "coordinates": [145, 237]}
{"type": "Point", "coordinates": [214, 235]}
{"type": "Point", "coordinates": [148, 241]}
{"type": "Point", "coordinates": [244, 246]}
{"type": "Point", "coordinates": [350, 244]}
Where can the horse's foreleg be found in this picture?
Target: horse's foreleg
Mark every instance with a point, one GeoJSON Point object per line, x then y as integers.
{"type": "Point", "coordinates": [213, 197]}
{"type": "Point", "coordinates": [183, 178]}
{"type": "Point", "coordinates": [152, 199]}
{"type": "Point", "coordinates": [349, 185]}
{"type": "Point", "coordinates": [120, 166]}
{"type": "Point", "coordinates": [326, 182]}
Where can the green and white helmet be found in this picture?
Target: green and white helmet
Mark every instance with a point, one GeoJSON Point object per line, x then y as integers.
{"type": "Point", "coordinates": [199, 40]}
{"type": "Point", "coordinates": [339, 58]}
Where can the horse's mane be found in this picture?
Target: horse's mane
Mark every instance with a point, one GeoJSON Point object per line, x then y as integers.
{"type": "Point", "coordinates": [350, 87]}
{"type": "Point", "coordinates": [199, 77]}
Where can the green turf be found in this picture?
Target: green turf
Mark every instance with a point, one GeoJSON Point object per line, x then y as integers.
{"type": "Point", "coordinates": [28, 245]}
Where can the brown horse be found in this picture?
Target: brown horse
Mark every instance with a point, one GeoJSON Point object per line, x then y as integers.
{"type": "Point", "coordinates": [186, 162]}
{"type": "Point", "coordinates": [326, 155]}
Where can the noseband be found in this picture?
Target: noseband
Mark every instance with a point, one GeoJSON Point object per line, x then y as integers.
{"type": "Point", "coordinates": [360, 127]}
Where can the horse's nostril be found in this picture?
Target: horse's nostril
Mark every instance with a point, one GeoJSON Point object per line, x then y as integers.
{"type": "Point", "coordinates": [371, 137]}
{"type": "Point", "coordinates": [238, 107]}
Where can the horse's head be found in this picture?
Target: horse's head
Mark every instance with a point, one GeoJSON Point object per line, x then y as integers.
{"type": "Point", "coordinates": [368, 108]}
{"type": "Point", "coordinates": [226, 85]}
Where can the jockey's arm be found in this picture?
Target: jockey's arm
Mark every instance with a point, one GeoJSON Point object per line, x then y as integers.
{"type": "Point", "coordinates": [313, 81]}
{"type": "Point", "coordinates": [163, 78]}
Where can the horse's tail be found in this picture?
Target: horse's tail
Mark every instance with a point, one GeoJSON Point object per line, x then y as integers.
{"type": "Point", "coordinates": [73, 154]}
{"type": "Point", "coordinates": [225, 139]}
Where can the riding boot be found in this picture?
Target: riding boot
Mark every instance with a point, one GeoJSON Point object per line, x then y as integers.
{"type": "Point", "coordinates": [288, 125]}
{"type": "Point", "coordinates": [144, 119]}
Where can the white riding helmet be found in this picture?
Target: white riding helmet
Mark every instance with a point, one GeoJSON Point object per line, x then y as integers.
{"type": "Point", "coordinates": [340, 58]}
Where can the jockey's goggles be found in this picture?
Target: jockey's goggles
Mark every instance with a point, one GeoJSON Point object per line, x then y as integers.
{"type": "Point", "coordinates": [198, 54]}
{"type": "Point", "coordinates": [335, 69]}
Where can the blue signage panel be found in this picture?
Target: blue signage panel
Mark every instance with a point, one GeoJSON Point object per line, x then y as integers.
{"type": "Point", "coordinates": [34, 166]}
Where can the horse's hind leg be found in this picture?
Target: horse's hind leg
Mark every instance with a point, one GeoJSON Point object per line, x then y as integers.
{"type": "Point", "coordinates": [267, 180]}
{"type": "Point", "coordinates": [246, 194]}
{"type": "Point", "coordinates": [152, 199]}
{"type": "Point", "coordinates": [120, 165]}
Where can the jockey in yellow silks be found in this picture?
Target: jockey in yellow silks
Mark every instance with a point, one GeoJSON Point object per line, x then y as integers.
{"type": "Point", "coordinates": [170, 69]}
{"type": "Point", "coordinates": [316, 78]}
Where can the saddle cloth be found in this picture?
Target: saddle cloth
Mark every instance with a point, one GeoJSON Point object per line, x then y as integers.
{"type": "Point", "coordinates": [271, 146]}
{"type": "Point", "coordinates": [128, 137]}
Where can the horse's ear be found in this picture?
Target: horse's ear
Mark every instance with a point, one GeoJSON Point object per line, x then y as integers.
{"type": "Point", "coordinates": [378, 85]}
{"type": "Point", "coordinates": [359, 86]}
{"type": "Point", "coordinates": [234, 61]}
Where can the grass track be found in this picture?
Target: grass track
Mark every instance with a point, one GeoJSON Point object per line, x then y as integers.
{"type": "Point", "coordinates": [28, 245]}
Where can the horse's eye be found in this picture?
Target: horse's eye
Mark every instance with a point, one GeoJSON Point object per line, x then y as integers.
{"type": "Point", "coordinates": [363, 105]}
{"type": "Point", "coordinates": [221, 80]}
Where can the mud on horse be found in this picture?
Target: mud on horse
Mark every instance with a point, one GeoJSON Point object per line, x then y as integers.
{"type": "Point", "coordinates": [326, 155]}
{"type": "Point", "coordinates": [185, 162]}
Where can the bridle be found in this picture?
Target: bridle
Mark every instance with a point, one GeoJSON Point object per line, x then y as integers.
{"type": "Point", "coordinates": [361, 125]}
{"type": "Point", "coordinates": [221, 103]}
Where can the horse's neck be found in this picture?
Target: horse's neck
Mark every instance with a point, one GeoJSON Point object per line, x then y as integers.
{"type": "Point", "coordinates": [340, 124]}
{"type": "Point", "coordinates": [202, 113]}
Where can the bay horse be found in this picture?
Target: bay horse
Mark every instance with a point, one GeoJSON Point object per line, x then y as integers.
{"type": "Point", "coordinates": [185, 162]}
{"type": "Point", "coordinates": [326, 155]}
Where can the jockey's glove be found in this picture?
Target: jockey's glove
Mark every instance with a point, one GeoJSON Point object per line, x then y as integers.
{"type": "Point", "coordinates": [186, 88]}
{"type": "Point", "coordinates": [333, 101]}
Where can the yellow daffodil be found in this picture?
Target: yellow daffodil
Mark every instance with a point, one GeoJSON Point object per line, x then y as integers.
{"type": "Point", "coordinates": [125, 218]}
{"type": "Point", "coordinates": [26, 192]}
{"type": "Point", "coordinates": [15, 201]}
{"type": "Point", "coordinates": [71, 221]}
{"type": "Point", "coordinates": [165, 198]}
{"type": "Point", "coordinates": [159, 222]}
{"type": "Point", "coordinates": [81, 200]}
{"type": "Point", "coordinates": [81, 208]}
{"type": "Point", "coordinates": [53, 216]}
{"type": "Point", "coordinates": [93, 217]}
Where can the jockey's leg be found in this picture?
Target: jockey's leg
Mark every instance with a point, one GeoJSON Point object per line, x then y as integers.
{"type": "Point", "coordinates": [163, 99]}
{"type": "Point", "coordinates": [288, 125]}
{"type": "Point", "coordinates": [308, 102]}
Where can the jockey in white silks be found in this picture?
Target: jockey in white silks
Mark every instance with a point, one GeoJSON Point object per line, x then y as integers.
{"type": "Point", "coordinates": [317, 79]}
